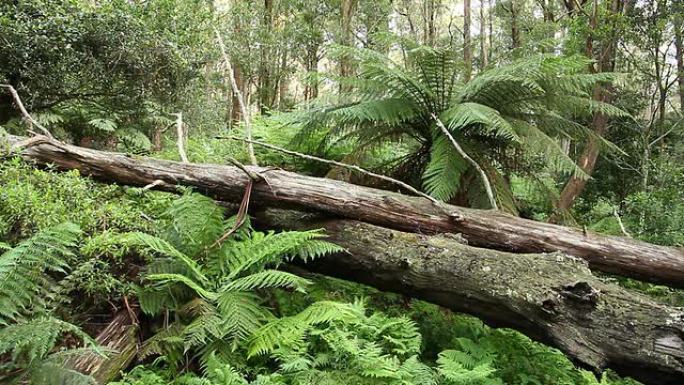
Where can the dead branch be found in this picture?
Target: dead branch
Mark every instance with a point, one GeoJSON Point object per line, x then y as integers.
{"type": "Point", "coordinates": [27, 117]}
{"type": "Point", "coordinates": [485, 180]}
{"type": "Point", "coordinates": [238, 94]}
{"type": "Point", "coordinates": [334, 163]}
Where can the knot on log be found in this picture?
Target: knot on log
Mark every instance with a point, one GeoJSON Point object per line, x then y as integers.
{"type": "Point", "coordinates": [581, 292]}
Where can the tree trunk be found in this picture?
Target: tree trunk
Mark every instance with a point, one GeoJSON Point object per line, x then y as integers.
{"type": "Point", "coordinates": [347, 11]}
{"type": "Point", "coordinates": [467, 48]}
{"type": "Point", "coordinates": [605, 58]}
{"type": "Point", "coordinates": [552, 298]}
{"type": "Point", "coordinates": [235, 110]}
{"type": "Point", "coordinates": [515, 29]}
{"type": "Point", "coordinates": [266, 89]}
{"type": "Point", "coordinates": [429, 20]}
{"type": "Point", "coordinates": [482, 228]}
{"type": "Point", "coordinates": [311, 63]}
{"type": "Point", "coordinates": [484, 56]}
{"type": "Point", "coordinates": [679, 51]}
{"type": "Point", "coordinates": [490, 28]}
{"type": "Point", "coordinates": [120, 338]}
{"type": "Point", "coordinates": [587, 162]}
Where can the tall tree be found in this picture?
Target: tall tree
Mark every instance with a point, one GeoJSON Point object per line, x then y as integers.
{"type": "Point", "coordinates": [484, 54]}
{"type": "Point", "coordinates": [266, 89]}
{"type": "Point", "coordinates": [467, 48]}
{"type": "Point", "coordinates": [603, 51]}
{"type": "Point", "coordinates": [515, 27]}
{"type": "Point", "coordinates": [678, 22]}
{"type": "Point", "coordinates": [430, 20]}
{"type": "Point", "coordinates": [347, 13]}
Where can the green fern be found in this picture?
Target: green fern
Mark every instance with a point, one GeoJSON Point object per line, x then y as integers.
{"type": "Point", "coordinates": [31, 346]}
{"type": "Point", "coordinates": [211, 286]}
{"type": "Point", "coordinates": [502, 109]}
{"type": "Point", "coordinates": [24, 270]}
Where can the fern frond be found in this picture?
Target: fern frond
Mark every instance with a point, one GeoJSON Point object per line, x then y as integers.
{"type": "Point", "coordinates": [168, 341]}
{"type": "Point", "coordinates": [164, 279]}
{"type": "Point", "coordinates": [242, 314]}
{"type": "Point", "coordinates": [442, 175]}
{"type": "Point", "coordinates": [222, 373]}
{"type": "Point", "coordinates": [267, 279]}
{"type": "Point", "coordinates": [286, 329]}
{"type": "Point", "coordinates": [22, 269]}
{"type": "Point", "coordinates": [52, 373]}
{"type": "Point", "coordinates": [461, 368]}
{"type": "Point", "coordinates": [485, 120]}
{"type": "Point", "coordinates": [150, 244]}
{"type": "Point", "coordinates": [32, 340]}
{"type": "Point", "coordinates": [263, 249]}
{"type": "Point", "coordinates": [196, 222]}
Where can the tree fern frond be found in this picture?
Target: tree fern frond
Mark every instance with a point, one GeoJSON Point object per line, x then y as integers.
{"type": "Point", "coordinates": [486, 119]}
{"type": "Point", "coordinates": [587, 107]}
{"type": "Point", "coordinates": [22, 269]}
{"type": "Point", "coordinates": [536, 141]}
{"type": "Point", "coordinates": [196, 222]}
{"type": "Point", "coordinates": [267, 279]}
{"type": "Point", "coordinates": [442, 175]}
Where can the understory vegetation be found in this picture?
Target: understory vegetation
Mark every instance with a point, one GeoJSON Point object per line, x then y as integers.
{"type": "Point", "coordinates": [566, 112]}
{"type": "Point", "coordinates": [218, 312]}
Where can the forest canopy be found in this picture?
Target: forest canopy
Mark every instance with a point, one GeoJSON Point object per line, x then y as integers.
{"type": "Point", "coordinates": [265, 192]}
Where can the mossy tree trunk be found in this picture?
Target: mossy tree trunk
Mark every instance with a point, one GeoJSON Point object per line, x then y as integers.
{"type": "Point", "coordinates": [553, 298]}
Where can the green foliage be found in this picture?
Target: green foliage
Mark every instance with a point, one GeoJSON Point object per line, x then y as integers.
{"type": "Point", "coordinates": [30, 334]}
{"type": "Point", "coordinates": [89, 69]}
{"type": "Point", "coordinates": [209, 282]}
{"type": "Point", "coordinates": [32, 199]}
{"type": "Point", "coordinates": [521, 107]}
{"type": "Point", "coordinates": [25, 270]}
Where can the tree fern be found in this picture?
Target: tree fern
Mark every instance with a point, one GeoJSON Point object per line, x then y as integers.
{"type": "Point", "coordinates": [31, 344]}
{"type": "Point", "coordinates": [24, 279]}
{"type": "Point", "coordinates": [501, 109]}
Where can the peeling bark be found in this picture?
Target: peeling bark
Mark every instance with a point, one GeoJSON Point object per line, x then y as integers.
{"type": "Point", "coordinates": [552, 298]}
{"type": "Point", "coordinates": [481, 228]}
{"type": "Point", "coordinates": [120, 339]}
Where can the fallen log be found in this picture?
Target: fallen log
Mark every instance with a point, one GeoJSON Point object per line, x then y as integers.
{"type": "Point", "coordinates": [481, 228]}
{"type": "Point", "coordinates": [552, 298]}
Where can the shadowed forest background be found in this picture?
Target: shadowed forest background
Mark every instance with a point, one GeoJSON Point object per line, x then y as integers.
{"type": "Point", "coordinates": [569, 112]}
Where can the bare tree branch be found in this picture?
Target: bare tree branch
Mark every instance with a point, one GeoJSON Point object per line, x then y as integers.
{"type": "Point", "coordinates": [24, 112]}
{"type": "Point", "coordinates": [485, 180]}
{"type": "Point", "coordinates": [622, 225]}
{"type": "Point", "coordinates": [181, 137]}
{"type": "Point", "coordinates": [241, 100]}
{"type": "Point", "coordinates": [335, 163]}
